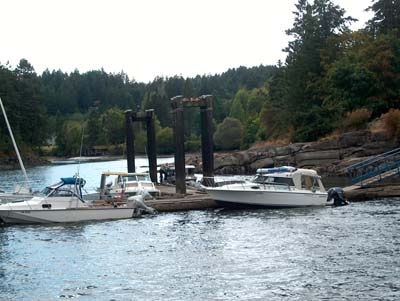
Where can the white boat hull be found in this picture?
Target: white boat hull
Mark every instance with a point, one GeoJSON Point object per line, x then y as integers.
{"type": "Point", "coordinates": [65, 215]}
{"type": "Point", "coordinates": [268, 198]}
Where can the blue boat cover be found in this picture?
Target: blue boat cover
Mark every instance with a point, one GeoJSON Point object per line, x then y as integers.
{"type": "Point", "coordinates": [73, 181]}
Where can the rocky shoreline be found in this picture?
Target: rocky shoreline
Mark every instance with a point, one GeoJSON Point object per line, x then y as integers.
{"type": "Point", "coordinates": [329, 157]}
{"type": "Point", "coordinates": [11, 163]}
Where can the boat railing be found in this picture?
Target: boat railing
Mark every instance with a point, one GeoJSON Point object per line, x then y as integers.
{"type": "Point", "coordinates": [375, 167]}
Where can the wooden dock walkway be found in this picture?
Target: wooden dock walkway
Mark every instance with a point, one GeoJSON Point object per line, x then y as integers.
{"type": "Point", "coordinates": [170, 201]}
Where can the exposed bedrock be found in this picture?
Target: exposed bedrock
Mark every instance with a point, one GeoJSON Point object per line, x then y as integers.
{"type": "Point", "coordinates": [329, 156]}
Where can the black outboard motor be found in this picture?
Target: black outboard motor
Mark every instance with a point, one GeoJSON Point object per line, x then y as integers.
{"type": "Point", "coordinates": [337, 194]}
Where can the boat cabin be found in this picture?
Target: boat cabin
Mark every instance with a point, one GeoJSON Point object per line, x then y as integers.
{"type": "Point", "coordinates": [302, 179]}
{"type": "Point", "coordinates": [126, 184]}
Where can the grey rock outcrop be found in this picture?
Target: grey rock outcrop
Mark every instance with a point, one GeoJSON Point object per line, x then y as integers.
{"type": "Point", "coordinates": [328, 156]}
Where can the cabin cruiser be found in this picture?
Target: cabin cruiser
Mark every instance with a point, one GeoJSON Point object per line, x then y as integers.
{"type": "Point", "coordinates": [275, 187]}
{"type": "Point", "coordinates": [124, 184]}
{"type": "Point", "coordinates": [64, 202]}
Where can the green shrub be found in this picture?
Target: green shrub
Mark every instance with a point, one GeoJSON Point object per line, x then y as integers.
{"type": "Point", "coordinates": [165, 141]}
{"type": "Point", "coordinates": [228, 134]}
{"type": "Point", "coordinates": [193, 144]}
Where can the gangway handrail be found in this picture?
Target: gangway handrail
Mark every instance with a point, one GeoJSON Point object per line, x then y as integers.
{"type": "Point", "coordinates": [374, 159]}
{"type": "Point", "coordinates": [374, 166]}
{"type": "Point", "coordinates": [375, 172]}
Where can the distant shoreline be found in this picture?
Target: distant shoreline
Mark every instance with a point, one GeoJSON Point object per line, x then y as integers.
{"type": "Point", "coordinates": [11, 163]}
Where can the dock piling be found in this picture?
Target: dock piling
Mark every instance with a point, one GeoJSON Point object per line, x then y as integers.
{"type": "Point", "coordinates": [130, 137]}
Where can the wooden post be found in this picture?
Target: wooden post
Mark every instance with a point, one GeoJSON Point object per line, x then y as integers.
{"type": "Point", "coordinates": [102, 186]}
{"type": "Point", "coordinates": [206, 138]}
{"type": "Point", "coordinates": [178, 125]}
{"type": "Point", "coordinates": [151, 145]}
{"type": "Point", "coordinates": [130, 144]}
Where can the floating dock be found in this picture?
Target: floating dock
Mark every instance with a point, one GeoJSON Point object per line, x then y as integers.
{"type": "Point", "coordinates": [170, 201]}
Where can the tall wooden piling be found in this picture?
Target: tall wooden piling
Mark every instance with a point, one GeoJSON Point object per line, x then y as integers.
{"type": "Point", "coordinates": [178, 126]}
{"type": "Point", "coordinates": [207, 152]}
{"type": "Point", "coordinates": [130, 144]}
{"type": "Point", "coordinates": [151, 144]}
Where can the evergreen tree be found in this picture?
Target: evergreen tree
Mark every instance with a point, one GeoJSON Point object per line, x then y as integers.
{"type": "Point", "coordinates": [386, 17]}
{"type": "Point", "coordinates": [32, 113]}
{"type": "Point", "coordinates": [314, 25]}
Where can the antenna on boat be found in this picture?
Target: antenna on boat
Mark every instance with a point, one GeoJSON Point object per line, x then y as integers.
{"type": "Point", "coordinates": [14, 143]}
{"type": "Point", "coordinates": [80, 150]}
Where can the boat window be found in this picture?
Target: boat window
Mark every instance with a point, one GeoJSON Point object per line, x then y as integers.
{"type": "Point", "coordinates": [63, 192]}
{"type": "Point", "coordinates": [143, 178]}
{"type": "Point", "coordinates": [260, 179]}
{"type": "Point", "coordinates": [130, 179]}
{"type": "Point", "coordinates": [46, 191]}
{"type": "Point", "coordinates": [309, 182]}
{"type": "Point", "coordinates": [285, 181]}
{"type": "Point", "coordinates": [274, 180]}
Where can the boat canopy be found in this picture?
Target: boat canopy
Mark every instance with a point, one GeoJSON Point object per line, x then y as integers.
{"type": "Point", "coordinates": [307, 179]}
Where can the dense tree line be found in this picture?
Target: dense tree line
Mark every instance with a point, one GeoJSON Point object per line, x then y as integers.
{"type": "Point", "coordinates": [64, 107]}
{"type": "Point", "coordinates": [330, 71]}
{"type": "Point", "coordinates": [332, 76]}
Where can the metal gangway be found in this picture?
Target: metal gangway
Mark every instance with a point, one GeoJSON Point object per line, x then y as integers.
{"type": "Point", "coordinates": [375, 169]}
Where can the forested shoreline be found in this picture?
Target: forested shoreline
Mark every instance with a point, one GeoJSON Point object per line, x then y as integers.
{"type": "Point", "coordinates": [333, 80]}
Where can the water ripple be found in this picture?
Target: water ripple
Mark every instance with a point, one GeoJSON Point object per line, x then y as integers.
{"type": "Point", "coordinates": [328, 253]}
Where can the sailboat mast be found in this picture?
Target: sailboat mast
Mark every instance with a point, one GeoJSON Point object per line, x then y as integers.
{"type": "Point", "coordinates": [15, 144]}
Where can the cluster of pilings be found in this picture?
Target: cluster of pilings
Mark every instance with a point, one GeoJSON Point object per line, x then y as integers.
{"type": "Point", "coordinates": [178, 104]}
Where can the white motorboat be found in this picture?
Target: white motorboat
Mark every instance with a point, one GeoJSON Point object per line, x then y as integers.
{"type": "Point", "coordinates": [275, 187]}
{"type": "Point", "coordinates": [62, 203]}
{"type": "Point", "coordinates": [124, 184]}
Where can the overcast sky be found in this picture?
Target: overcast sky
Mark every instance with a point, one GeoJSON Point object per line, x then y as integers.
{"type": "Point", "coordinates": [149, 38]}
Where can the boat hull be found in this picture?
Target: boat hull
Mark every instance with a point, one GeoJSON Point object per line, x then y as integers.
{"type": "Point", "coordinates": [272, 199]}
{"type": "Point", "coordinates": [64, 215]}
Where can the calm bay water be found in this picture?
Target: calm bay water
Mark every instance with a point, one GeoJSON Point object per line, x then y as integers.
{"type": "Point", "coordinates": [342, 253]}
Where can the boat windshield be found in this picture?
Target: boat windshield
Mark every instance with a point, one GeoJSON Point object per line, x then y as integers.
{"type": "Point", "coordinates": [265, 179]}
{"type": "Point", "coordinates": [46, 191]}
{"type": "Point", "coordinates": [130, 179]}
{"type": "Point", "coordinates": [143, 178]}
{"type": "Point", "coordinates": [64, 190]}
{"type": "Point", "coordinates": [134, 178]}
